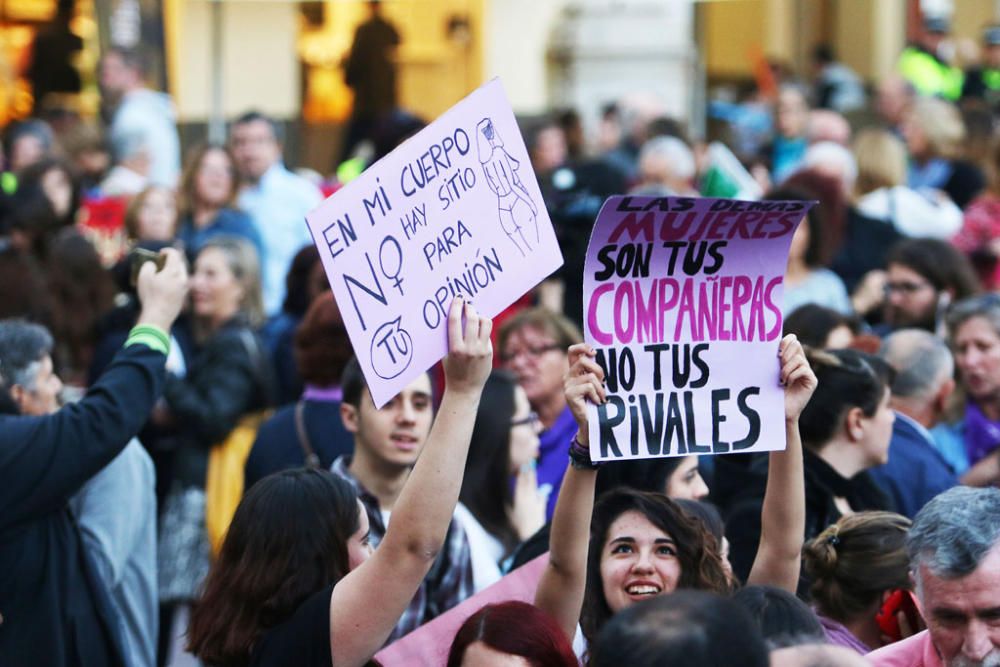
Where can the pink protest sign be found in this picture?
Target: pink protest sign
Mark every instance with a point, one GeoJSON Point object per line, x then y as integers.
{"type": "Point", "coordinates": [682, 300]}
{"type": "Point", "coordinates": [429, 644]}
{"type": "Point", "coordinates": [455, 210]}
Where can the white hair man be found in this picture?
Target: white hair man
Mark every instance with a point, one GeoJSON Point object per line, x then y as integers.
{"type": "Point", "coordinates": [666, 167]}
{"type": "Point", "coordinates": [916, 471]}
{"type": "Point", "coordinates": [954, 549]}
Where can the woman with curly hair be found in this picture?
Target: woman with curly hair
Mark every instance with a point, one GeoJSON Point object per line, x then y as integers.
{"type": "Point", "coordinates": [642, 545]}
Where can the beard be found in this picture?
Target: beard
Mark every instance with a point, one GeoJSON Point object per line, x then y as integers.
{"type": "Point", "coordinates": [901, 319]}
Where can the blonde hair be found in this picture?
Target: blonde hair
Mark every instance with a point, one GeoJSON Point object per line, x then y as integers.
{"type": "Point", "coordinates": [942, 124]}
{"type": "Point", "coordinates": [881, 158]}
{"type": "Point", "coordinates": [241, 257]}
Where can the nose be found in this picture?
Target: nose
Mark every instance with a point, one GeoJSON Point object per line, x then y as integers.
{"type": "Point", "coordinates": [407, 413]}
{"type": "Point", "coordinates": [976, 644]}
{"type": "Point", "coordinates": [643, 562]}
{"type": "Point", "coordinates": [700, 488]}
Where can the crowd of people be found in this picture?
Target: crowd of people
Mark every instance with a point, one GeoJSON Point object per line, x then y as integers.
{"type": "Point", "coordinates": [129, 372]}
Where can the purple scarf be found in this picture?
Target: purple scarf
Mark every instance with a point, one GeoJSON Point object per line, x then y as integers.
{"type": "Point", "coordinates": [982, 435]}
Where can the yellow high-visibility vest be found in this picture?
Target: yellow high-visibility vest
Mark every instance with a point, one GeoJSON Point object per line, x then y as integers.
{"type": "Point", "coordinates": [929, 75]}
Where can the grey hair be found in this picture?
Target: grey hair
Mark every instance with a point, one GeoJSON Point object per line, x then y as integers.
{"type": "Point", "coordinates": [922, 362]}
{"type": "Point", "coordinates": [674, 152]}
{"type": "Point", "coordinates": [829, 153]}
{"type": "Point", "coordinates": [986, 306]}
{"type": "Point", "coordinates": [954, 532]}
{"type": "Point", "coordinates": [33, 127]}
{"type": "Point", "coordinates": [23, 346]}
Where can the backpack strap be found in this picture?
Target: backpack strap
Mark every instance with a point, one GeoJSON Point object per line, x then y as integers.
{"type": "Point", "coordinates": [312, 460]}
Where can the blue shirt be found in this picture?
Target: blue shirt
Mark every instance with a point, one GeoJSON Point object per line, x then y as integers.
{"type": "Point", "coordinates": [822, 287]}
{"type": "Point", "coordinates": [116, 513]}
{"type": "Point", "coordinates": [227, 221]}
{"type": "Point", "coordinates": [553, 456]}
{"type": "Point", "coordinates": [278, 204]}
{"type": "Point", "coordinates": [916, 471]}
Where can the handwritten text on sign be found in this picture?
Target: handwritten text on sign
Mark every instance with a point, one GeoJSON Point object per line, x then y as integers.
{"type": "Point", "coordinates": [682, 300]}
{"type": "Point", "coordinates": [455, 210]}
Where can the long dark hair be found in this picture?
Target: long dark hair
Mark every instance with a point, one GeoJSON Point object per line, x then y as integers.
{"type": "Point", "coordinates": [697, 551]}
{"type": "Point", "coordinates": [288, 540]}
{"type": "Point", "coordinates": [515, 628]}
{"type": "Point", "coordinates": [486, 486]}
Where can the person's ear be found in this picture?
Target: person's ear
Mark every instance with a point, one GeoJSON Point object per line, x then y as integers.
{"type": "Point", "coordinates": [350, 416]}
{"type": "Point", "coordinates": [20, 395]}
{"type": "Point", "coordinates": [854, 424]}
{"type": "Point", "coordinates": [944, 395]}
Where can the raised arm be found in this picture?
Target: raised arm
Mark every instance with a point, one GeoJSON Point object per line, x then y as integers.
{"type": "Point", "coordinates": [560, 591]}
{"type": "Point", "coordinates": [46, 459]}
{"type": "Point", "coordinates": [783, 514]}
{"type": "Point", "coordinates": [367, 603]}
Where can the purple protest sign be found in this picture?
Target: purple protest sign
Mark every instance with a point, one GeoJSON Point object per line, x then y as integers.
{"type": "Point", "coordinates": [682, 300]}
{"type": "Point", "coordinates": [455, 210]}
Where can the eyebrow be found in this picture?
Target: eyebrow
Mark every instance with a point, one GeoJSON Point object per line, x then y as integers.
{"type": "Point", "coordinates": [629, 539]}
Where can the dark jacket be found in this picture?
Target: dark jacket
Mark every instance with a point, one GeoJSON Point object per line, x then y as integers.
{"type": "Point", "coordinates": [822, 483]}
{"type": "Point", "coordinates": [916, 471]}
{"type": "Point", "coordinates": [865, 246]}
{"type": "Point", "coordinates": [278, 445]}
{"type": "Point", "coordinates": [55, 612]}
{"type": "Point", "coordinates": [228, 378]}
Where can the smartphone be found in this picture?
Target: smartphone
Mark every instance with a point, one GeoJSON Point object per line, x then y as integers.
{"type": "Point", "coordinates": [138, 257]}
{"type": "Point", "coordinates": [888, 616]}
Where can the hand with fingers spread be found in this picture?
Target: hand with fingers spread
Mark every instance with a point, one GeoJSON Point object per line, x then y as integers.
{"type": "Point", "coordinates": [584, 381]}
{"type": "Point", "coordinates": [470, 352]}
{"type": "Point", "coordinates": [796, 377]}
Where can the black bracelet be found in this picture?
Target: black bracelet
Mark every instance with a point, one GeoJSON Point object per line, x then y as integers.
{"type": "Point", "coordinates": [579, 456]}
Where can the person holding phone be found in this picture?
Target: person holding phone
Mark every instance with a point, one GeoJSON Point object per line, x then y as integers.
{"type": "Point", "coordinates": [856, 566]}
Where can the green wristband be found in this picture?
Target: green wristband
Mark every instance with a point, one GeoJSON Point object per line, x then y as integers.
{"type": "Point", "coordinates": [151, 336]}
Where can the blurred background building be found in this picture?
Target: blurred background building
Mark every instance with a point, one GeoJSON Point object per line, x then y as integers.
{"type": "Point", "coordinates": [218, 58]}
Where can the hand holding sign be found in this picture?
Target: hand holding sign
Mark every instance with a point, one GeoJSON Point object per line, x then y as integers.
{"type": "Point", "coordinates": [683, 308]}
{"type": "Point", "coordinates": [584, 382]}
{"type": "Point", "coordinates": [796, 376]}
{"type": "Point", "coordinates": [470, 352]}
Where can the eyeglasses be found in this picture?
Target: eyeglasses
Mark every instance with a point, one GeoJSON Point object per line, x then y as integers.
{"type": "Point", "coordinates": [906, 287]}
{"type": "Point", "coordinates": [530, 351]}
{"type": "Point", "coordinates": [531, 420]}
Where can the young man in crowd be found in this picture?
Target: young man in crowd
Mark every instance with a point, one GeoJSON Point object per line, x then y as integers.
{"type": "Point", "coordinates": [923, 277]}
{"type": "Point", "coordinates": [954, 549]}
{"type": "Point", "coordinates": [275, 198]}
{"type": "Point", "coordinates": [387, 443]}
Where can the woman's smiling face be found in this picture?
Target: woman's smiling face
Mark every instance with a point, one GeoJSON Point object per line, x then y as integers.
{"type": "Point", "coordinates": [638, 561]}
